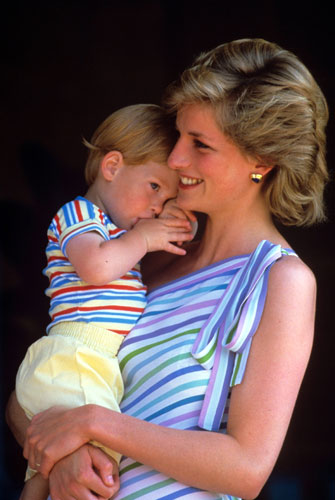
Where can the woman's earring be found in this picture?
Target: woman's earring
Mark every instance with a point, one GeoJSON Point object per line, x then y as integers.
{"type": "Point", "coordinates": [256, 178]}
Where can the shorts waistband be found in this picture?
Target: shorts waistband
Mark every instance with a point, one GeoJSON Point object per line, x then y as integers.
{"type": "Point", "coordinates": [91, 335]}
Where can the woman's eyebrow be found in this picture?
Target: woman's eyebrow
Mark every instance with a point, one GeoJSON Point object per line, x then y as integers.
{"type": "Point", "coordinates": [200, 135]}
{"type": "Point", "coordinates": [194, 133]}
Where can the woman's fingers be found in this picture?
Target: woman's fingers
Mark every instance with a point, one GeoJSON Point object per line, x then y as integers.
{"type": "Point", "coordinates": [52, 435]}
{"type": "Point", "coordinates": [39, 454]}
{"type": "Point", "coordinates": [29, 452]}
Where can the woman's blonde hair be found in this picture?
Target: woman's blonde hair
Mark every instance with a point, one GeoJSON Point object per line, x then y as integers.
{"type": "Point", "coordinates": [268, 103]}
{"type": "Point", "coordinates": [141, 132]}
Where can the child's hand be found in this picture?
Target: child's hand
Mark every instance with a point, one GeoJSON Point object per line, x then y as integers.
{"type": "Point", "coordinates": [159, 233]}
{"type": "Point", "coordinates": [87, 473]}
{"type": "Point", "coordinates": [171, 210]}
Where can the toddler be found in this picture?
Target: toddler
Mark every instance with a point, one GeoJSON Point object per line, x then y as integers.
{"type": "Point", "coordinates": [94, 247]}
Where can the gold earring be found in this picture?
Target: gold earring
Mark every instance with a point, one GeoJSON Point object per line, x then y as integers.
{"type": "Point", "coordinates": [256, 178]}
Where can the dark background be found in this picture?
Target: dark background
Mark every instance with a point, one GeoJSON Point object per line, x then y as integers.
{"type": "Point", "coordinates": [66, 65]}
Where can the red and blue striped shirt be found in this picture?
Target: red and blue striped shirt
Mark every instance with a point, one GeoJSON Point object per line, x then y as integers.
{"type": "Point", "coordinates": [115, 306]}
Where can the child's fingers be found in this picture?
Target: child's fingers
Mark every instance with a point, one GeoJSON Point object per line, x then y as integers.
{"type": "Point", "coordinates": [171, 209]}
{"type": "Point", "coordinates": [178, 213]}
{"type": "Point", "coordinates": [175, 249]}
{"type": "Point", "coordinates": [190, 215]}
{"type": "Point", "coordinates": [178, 238]}
{"type": "Point", "coordinates": [178, 223]}
{"type": "Point", "coordinates": [173, 212]}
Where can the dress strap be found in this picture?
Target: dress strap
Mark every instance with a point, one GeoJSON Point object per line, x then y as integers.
{"type": "Point", "coordinates": [223, 343]}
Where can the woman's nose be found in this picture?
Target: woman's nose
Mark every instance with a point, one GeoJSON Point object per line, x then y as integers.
{"type": "Point", "coordinates": [178, 157]}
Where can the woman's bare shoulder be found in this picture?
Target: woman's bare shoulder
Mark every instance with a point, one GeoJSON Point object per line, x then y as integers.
{"type": "Point", "coordinates": [292, 285]}
{"type": "Point", "coordinates": [291, 299]}
{"type": "Point", "coordinates": [290, 269]}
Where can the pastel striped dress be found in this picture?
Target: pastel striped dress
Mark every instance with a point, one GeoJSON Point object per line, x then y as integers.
{"type": "Point", "coordinates": [188, 349]}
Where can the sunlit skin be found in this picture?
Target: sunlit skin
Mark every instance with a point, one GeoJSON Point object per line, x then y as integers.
{"type": "Point", "coordinates": [134, 191]}
{"type": "Point", "coordinates": [214, 174]}
{"type": "Point", "coordinates": [215, 179]}
{"type": "Point", "coordinates": [133, 197]}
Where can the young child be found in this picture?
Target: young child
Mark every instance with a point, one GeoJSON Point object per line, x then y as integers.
{"type": "Point", "coordinates": [94, 246]}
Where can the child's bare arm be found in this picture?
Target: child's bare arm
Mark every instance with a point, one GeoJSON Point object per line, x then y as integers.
{"type": "Point", "coordinates": [98, 261]}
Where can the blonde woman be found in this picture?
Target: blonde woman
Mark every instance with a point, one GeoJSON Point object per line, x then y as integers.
{"type": "Point", "coordinates": [213, 368]}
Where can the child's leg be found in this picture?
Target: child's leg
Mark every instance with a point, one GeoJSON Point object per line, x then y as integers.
{"type": "Point", "coordinates": [35, 488]}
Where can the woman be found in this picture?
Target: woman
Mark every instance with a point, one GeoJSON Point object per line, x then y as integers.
{"type": "Point", "coordinates": [213, 368]}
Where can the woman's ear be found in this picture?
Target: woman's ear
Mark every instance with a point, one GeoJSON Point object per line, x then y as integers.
{"type": "Point", "coordinates": [263, 169]}
{"type": "Point", "coordinates": [110, 164]}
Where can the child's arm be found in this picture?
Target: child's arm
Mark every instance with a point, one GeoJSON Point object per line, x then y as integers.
{"type": "Point", "coordinates": [98, 261]}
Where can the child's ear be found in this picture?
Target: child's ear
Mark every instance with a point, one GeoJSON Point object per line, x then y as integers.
{"type": "Point", "coordinates": [110, 164]}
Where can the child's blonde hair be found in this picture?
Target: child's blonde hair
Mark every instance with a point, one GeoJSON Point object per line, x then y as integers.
{"type": "Point", "coordinates": [141, 132]}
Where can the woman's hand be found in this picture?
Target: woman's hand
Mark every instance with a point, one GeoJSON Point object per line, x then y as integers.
{"type": "Point", "coordinates": [87, 474]}
{"type": "Point", "coordinates": [54, 434]}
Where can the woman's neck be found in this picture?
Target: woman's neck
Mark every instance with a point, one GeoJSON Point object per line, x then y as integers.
{"type": "Point", "coordinates": [237, 233]}
{"type": "Point", "coordinates": [223, 237]}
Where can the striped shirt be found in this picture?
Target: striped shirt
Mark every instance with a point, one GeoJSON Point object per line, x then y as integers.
{"type": "Point", "coordinates": [186, 352]}
{"type": "Point", "coordinates": [115, 306]}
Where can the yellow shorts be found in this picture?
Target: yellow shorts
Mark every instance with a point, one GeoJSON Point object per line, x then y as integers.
{"type": "Point", "coordinates": [74, 365]}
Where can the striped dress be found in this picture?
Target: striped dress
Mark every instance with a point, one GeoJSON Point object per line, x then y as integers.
{"type": "Point", "coordinates": [188, 349]}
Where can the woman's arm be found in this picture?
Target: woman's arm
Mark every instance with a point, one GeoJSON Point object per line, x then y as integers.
{"type": "Point", "coordinates": [16, 419]}
{"type": "Point", "coordinates": [88, 469]}
{"type": "Point", "coordinates": [239, 462]}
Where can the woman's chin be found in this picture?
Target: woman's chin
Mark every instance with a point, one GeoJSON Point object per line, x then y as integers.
{"type": "Point", "coordinates": [186, 202]}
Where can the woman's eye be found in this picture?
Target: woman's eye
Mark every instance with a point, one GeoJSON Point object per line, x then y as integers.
{"type": "Point", "coordinates": [199, 144]}
{"type": "Point", "coordinates": [154, 186]}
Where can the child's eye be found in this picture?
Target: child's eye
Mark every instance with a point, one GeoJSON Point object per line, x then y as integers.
{"type": "Point", "coordinates": [154, 186]}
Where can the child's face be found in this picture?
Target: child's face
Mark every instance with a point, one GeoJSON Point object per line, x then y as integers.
{"type": "Point", "coordinates": [139, 192]}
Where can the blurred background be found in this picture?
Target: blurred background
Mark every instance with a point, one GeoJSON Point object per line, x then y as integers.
{"type": "Point", "coordinates": [66, 65]}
